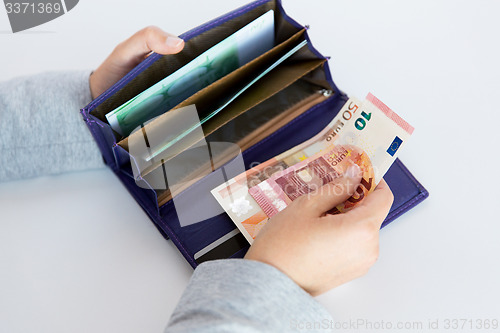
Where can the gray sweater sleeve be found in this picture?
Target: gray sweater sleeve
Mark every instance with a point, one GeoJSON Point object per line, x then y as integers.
{"type": "Point", "coordinates": [41, 130]}
{"type": "Point", "coordinates": [238, 295]}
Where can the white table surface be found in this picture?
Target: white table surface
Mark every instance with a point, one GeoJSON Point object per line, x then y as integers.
{"type": "Point", "coordinates": [77, 254]}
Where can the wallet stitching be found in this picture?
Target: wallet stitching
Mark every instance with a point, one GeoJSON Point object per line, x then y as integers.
{"type": "Point", "coordinates": [404, 207]}
{"type": "Point", "coordinates": [411, 176]}
{"type": "Point", "coordinates": [423, 193]}
{"type": "Point", "coordinates": [174, 238]}
{"type": "Point", "coordinates": [94, 133]}
{"type": "Point", "coordinates": [98, 134]}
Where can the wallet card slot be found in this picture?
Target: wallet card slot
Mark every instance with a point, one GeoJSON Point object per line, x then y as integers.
{"type": "Point", "coordinates": [205, 99]}
{"type": "Point", "coordinates": [257, 123]}
{"type": "Point", "coordinates": [222, 88]}
{"type": "Point", "coordinates": [277, 80]}
{"type": "Point", "coordinates": [272, 114]}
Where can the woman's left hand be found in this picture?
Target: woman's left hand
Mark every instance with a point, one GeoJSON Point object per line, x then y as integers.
{"type": "Point", "coordinates": [129, 54]}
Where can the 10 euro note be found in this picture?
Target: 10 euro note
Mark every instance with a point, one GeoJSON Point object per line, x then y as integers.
{"type": "Point", "coordinates": [370, 139]}
{"type": "Point", "coordinates": [367, 134]}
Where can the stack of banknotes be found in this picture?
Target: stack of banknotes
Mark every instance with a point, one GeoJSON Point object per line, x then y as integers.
{"type": "Point", "coordinates": [368, 134]}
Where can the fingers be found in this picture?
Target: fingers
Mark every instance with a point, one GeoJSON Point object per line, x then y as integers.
{"type": "Point", "coordinates": [332, 194]}
{"type": "Point", "coordinates": [375, 207]}
{"type": "Point", "coordinates": [147, 40]}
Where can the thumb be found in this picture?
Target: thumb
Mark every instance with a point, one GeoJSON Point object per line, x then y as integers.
{"type": "Point", "coordinates": [332, 194]}
{"type": "Point", "coordinates": [375, 207]}
{"type": "Point", "coordinates": [150, 39]}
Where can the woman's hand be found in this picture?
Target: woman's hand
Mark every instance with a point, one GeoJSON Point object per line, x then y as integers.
{"type": "Point", "coordinates": [320, 251]}
{"type": "Point", "coordinates": [129, 54]}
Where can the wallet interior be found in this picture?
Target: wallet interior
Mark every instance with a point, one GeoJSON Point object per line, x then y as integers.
{"type": "Point", "coordinates": [276, 99]}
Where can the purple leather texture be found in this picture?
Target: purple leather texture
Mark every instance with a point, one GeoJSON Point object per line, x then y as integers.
{"type": "Point", "coordinates": [408, 192]}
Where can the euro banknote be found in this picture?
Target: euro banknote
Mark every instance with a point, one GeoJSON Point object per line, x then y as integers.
{"type": "Point", "coordinates": [367, 134]}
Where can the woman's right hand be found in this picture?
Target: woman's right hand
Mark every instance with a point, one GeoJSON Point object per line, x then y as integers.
{"type": "Point", "coordinates": [320, 251]}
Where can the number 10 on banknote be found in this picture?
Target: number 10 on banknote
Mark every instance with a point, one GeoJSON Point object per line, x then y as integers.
{"type": "Point", "coordinates": [368, 134]}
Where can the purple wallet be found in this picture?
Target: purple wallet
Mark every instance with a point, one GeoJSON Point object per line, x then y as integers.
{"type": "Point", "coordinates": [216, 237]}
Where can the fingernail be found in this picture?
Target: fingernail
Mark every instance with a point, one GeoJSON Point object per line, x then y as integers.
{"type": "Point", "coordinates": [173, 42]}
{"type": "Point", "coordinates": [352, 172]}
